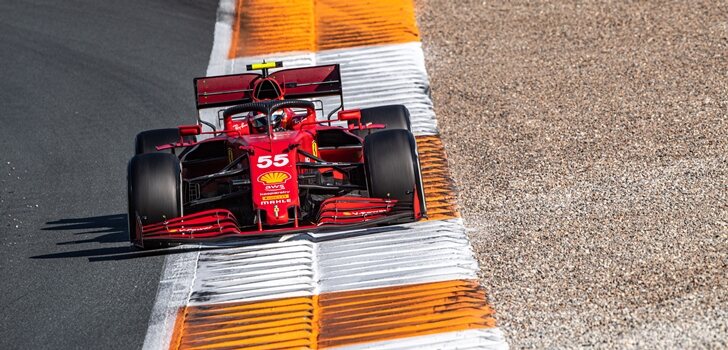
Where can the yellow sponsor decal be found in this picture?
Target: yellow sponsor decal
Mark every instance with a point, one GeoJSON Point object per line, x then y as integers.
{"type": "Point", "coordinates": [275, 197]}
{"type": "Point", "coordinates": [314, 148]}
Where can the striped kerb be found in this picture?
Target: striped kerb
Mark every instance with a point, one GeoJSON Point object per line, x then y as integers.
{"type": "Point", "coordinates": [409, 286]}
{"type": "Point", "coordinates": [336, 319]}
{"type": "Point", "coordinates": [439, 189]}
{"type": "Point", "coordinates": [269, 26]}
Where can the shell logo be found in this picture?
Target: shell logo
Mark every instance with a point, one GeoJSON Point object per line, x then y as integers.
{"type": "Point", "coordinates": [274, 177]}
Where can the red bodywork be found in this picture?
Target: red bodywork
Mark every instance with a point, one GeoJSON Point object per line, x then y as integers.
{"type": "Point", "coordinates": [272, 164]}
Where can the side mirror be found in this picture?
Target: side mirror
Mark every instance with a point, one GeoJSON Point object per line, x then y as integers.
{"type": "Point", "coordinates": [351, 115]}
{"type": "Point", "coordinates": [189, 130]}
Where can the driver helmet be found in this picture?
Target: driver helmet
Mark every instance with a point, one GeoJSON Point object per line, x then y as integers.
{"type": "Point", "coordinates": [259, 122]}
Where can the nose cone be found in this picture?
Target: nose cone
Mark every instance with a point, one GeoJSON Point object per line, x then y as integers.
{"type": "Point", "coordinates": [277, 215]}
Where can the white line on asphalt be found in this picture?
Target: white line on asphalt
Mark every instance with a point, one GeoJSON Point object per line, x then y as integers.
{"type": "Point", "coordinates": [174, 290]}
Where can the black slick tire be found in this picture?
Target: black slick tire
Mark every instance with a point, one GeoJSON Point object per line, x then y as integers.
{"type": "Point", "coordinates": [392, 167]}
{"type": "Point", "coordinates": [394, 117]}
{"type": "Point", "coordinates": [154, 194]}
{"type": "Point", "coordinates": [147, 141]}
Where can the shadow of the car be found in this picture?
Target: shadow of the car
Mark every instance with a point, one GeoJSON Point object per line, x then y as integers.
{"type": "Point", "coordinates": [113, 228]}
{"type": "Point", "coordinates": [108, 230]}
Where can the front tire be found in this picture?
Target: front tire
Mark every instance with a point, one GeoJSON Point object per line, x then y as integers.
{"type": "Point", "coordinates": [147, 141]}
{"type": "Point", "coordinates": [154, 191]}
{"type": "Point", "coordinates": [394, 117]}
{"type": "Point", "coordinates": [392, 167]}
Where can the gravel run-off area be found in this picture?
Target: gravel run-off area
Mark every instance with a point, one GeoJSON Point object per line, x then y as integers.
{"type": "Point", "coordinates": [589, 144]}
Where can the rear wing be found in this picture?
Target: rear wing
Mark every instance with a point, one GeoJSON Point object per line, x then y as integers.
{"type": "Point", "coordinates": [296, 83]}
{"type": "Point", "coordinates": [309, 82]}
{"type": "Point", "coordinates": [224, 90]}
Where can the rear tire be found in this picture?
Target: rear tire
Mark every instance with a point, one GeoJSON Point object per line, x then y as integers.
{"type": "Point", "coordinates": [394, 117]}
{"type": "Point", "coordinates": [147, 141]}
{"type": "Point", "coordinates": [154, 195]}
{"type": "Point", "coordinates": [392, 166]}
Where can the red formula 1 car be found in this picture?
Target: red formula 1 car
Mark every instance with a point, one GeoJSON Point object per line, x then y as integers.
{"type": "Point", "coordinates": [278, 166]}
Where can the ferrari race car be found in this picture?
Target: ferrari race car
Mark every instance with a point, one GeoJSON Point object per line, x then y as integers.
{"type": "Point", "coordinates": [278, 164]}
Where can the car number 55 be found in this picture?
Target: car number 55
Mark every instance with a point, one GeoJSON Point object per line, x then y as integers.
{"type": "Point", "coordinates": [278, 160]}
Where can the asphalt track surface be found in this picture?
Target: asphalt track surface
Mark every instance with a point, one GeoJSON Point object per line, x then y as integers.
{"type": "Point", "coordinates": [78, 79]}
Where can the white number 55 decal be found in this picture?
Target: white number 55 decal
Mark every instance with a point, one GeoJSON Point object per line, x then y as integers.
{"type": "Point", "coordinates": [279, 160]}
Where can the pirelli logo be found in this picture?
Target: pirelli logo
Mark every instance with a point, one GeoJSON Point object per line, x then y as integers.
{"type": "Point", "coordinates": [275, 197]}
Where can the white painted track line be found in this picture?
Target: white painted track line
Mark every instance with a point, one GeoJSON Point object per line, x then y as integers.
{"type": "Point", "coordinates": [174, 291]}
{"type": "Point", "coordinates": [464, 340]}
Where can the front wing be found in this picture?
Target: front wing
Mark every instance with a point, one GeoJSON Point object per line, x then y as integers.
{"type": "Point", "coordinates": [220, 224]}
